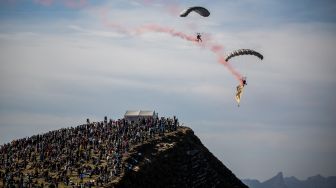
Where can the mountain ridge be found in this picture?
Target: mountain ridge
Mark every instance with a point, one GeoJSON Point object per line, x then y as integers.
{"type": "Point", "coordinates": [279, 181]}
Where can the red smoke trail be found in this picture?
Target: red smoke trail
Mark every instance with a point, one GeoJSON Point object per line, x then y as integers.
{"type": "Point", "coordinates": [207, 43]}
{"type": "Point", "coordinates": [217, 49]}
{"type": "Point", "coordinates": [174, 10]}
{"type": "Point", "coordinates": [160, 29]}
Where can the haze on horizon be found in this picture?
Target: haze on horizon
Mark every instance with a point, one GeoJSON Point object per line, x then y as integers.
{"type": "Point", "coordinates": [61, 63]}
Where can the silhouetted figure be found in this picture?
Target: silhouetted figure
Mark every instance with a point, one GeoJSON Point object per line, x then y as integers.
{"type": "Point", "coordinates": [198, 37]}
{"type": "Point", "coordinates": [244, 81]}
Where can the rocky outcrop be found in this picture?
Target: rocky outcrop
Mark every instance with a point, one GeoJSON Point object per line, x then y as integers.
{"type": "Point", "coordinates": [177, 159]}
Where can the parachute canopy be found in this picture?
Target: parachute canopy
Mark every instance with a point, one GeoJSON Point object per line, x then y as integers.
{"type": "Point", "coordinates": [243, 52]}
{"type": "Point", "coordinates": [200, 10]}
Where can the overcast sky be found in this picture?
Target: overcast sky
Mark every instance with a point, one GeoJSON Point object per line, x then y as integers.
{"type": "Point", "coordinates": [67, 60]}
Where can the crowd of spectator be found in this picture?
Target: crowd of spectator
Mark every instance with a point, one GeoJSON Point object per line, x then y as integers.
{"type": "Point", "coordinates": [88, 155]}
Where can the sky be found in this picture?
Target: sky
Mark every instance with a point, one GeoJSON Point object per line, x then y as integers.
{"type": "Point", "coordinates": [67, 60]}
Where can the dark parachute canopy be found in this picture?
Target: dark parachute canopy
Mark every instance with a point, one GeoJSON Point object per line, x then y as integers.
{"type": "Point", "coordinates": [200, 10]}
{"type": "Point", "coordinates": [243, 52]}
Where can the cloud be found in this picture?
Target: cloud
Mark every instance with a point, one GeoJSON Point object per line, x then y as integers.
{"type": "Point", "coordinates": [96, 33]}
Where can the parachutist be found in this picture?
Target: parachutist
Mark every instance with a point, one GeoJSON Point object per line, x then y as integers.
{"type": "Point", "coordinates": [198, 37]}
{"type": "Point", "coordinates": [244, 81]}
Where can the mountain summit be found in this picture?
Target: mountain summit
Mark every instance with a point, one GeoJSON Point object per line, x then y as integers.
{"type": "Point", "coordinates": [178, 159]}
{"type": "Point", "coordinates": [275, 182]}
{"type": "Point", "coordinates": [150, 152]}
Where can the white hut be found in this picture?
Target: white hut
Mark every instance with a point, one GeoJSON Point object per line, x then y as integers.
{"type": "Point", "coordinates": [135, 115]}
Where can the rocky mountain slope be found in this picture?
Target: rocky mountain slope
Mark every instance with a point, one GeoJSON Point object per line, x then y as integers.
{"type": "Point", "coordinates": [155, 153]}
{"type": "Point", "coordinates": [178, 159]}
